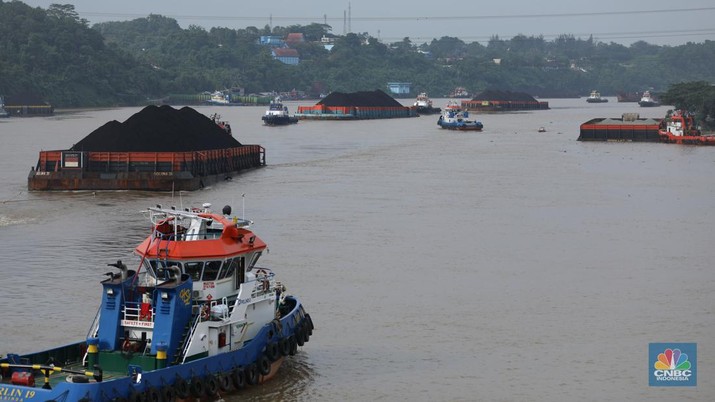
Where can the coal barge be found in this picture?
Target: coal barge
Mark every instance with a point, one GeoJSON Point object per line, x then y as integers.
{"type": "Point", "coordinates": [157, 149]}
{"type": "Point", "coordinates": [26, 105]}
{"type": "Point", "coordinates": [356, 106]}
{"type": "Point", "coordinates": [503, 101]}
{"type": "Point", "coordinates": [630, 127]}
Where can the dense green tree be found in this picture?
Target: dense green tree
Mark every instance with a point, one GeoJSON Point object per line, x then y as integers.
{"type": "Point", "coordinates": [697, 97]}
{"type": "Point", "coordinates": [55, 53]}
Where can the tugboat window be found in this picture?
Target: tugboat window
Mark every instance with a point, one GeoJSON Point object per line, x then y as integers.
{"type": "Point", "coordinates": [194, 269]}
{"type": "Point", "coordinates": [254, 260]}
{"type": "Point", "coordinates": [241, 271]}
{"type": "Point", "coordinates": [229, 268]}
{"type": "Point", "coordinates": [211, 270]}
{"type": "Point", "coordinates": [159, 269]}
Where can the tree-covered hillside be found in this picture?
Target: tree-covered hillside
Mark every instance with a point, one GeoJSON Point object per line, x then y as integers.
{"type": "Point", "coordinates": [53, 53]}
{"type": "Point", "coordinates": [56, 54]}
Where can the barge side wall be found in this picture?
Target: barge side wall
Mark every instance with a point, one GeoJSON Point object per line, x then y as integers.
{"type": "Point", "coordinates": [154, 171]}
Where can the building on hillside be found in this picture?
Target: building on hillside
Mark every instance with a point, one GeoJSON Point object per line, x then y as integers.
{"type": "Point", "coordinates": [399, 88]}
{"type": "Point", "coordinates": [275, 41]}
{"type": "Point", "coordinates": [294, 39]}
{"type": "Point", "coordinates": [286, 55]}
{"type": "Point", "coordinates": [327, 43]}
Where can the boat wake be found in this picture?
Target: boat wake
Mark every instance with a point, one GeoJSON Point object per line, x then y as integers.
{"type": "Point", "coordinates": [10, 221]}
{"type": "Point", "coordinates": [296, 377]}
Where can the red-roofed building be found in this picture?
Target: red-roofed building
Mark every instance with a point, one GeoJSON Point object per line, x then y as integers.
{"type": "Point", "coordinates": [286, 55]}
{"type": "Point", "coordinates": [294, 39]}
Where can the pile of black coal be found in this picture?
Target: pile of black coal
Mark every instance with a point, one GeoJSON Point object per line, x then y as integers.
{"type": "Point", "coordinates": [159, 129]}
{"type": "Point", "coordinates": [376, 98]}
{"type": "Point", "coordinates": [504, 96]}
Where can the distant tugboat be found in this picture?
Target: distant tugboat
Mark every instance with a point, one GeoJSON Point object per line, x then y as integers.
{"type": "Point", "coordinates": [277, 115]}
{"type": "Point", "coordinates": [648, 101]}
{"type": "Point", "coordinates": [454, 118]}
{"type": "Point", "coordinates": [595, 97]}
{"type": "Point", "coordinates": [679, 128]}
{"type": "Point", "coordinates": [459, 92]}
{"type": "Point", "coordinates": [424, 105]}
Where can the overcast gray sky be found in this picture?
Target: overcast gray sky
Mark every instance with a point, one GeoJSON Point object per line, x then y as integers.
{"type": "Point", "coordinates": [658, 22]}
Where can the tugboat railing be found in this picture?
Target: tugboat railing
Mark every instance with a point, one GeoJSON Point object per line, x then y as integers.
{"type": "Point", "coordinates": [264, 279]}
{"type": "Point", "coordinates": [94, 328]}
{"type": "Point", "coordinates": [189, 338]}
{"type": "Point", "coordinates": [93, 331]}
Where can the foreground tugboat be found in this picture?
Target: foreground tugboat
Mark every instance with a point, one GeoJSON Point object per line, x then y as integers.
{"type": "Point", "coordinates": [454, 118]}
{"type": "Point", "coordinates": [196, 318]}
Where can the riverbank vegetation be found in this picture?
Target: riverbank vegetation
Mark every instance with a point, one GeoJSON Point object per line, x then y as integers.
{"type": "Point", "coordinates": [58, 55]}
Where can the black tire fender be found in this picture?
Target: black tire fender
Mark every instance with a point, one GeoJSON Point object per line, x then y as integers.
{"type": "Point", "coordinates": [211, 385]}
{"type": "Point", "coordinates": [284, 346]}
{"type": "Point", "coordinates": [197, 388]}
{"type": "Point", "coordinates": [135, 396]}
{"type": "Point", "coordinates": [151, 394]}
{"type": "Point", "coordinates": [168, 394]}
{"type": "Point", "coordinates": [293, 345]}
{"type": "Point", "coordinates": [264, 364]}
{"type": "Point", "coordinates": [272, 351]}
{"type": "Point", "coordinates": [224, 382]}
{"type": "Point", "coordinates": [181, 387]}
{"type": "Point", "coordinates": [238, 377]}
{"type": "Point", "coordinates": [298, 332]}
{"type": "Point", "coordinates": [252, 374]}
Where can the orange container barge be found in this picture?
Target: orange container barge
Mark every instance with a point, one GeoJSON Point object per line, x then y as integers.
{"type": "Point", "coordinates": [152, 171]}
{"type": "Point", "coordinates": [630, 127]}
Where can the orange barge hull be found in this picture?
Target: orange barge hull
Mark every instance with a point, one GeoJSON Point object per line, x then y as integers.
{"type": "Point", "coordinates": [150, 171]}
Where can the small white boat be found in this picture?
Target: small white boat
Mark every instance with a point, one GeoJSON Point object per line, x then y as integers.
{"type": "Point", "coordinates": [219, 98]}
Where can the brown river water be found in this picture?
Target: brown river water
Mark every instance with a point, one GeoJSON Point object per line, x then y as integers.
{"type": "Point", "coordinates": [506, 265]}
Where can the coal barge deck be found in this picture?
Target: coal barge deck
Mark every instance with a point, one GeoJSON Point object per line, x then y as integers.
{"type": "Point", "coordinates": [630, 127]}
{"type": "Point", "coordinates": [503, 101]}
{"type": "Point", "coordinates": [157, 149]}
{"type": "Point", "coordinates": [356, 106]}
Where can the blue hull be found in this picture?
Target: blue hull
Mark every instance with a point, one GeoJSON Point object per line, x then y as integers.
{"type": "Point", "coordinates": [279, 120]}
{"type": "Point", "coordinates": [197, 378]}
{"type": "Point", "coordinates": [476, 126]}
